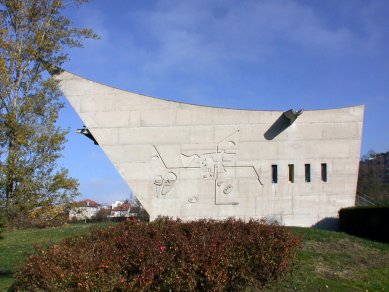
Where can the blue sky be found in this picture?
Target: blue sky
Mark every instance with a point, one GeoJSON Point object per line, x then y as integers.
{"type": "Point", "coordinates": [251, 54]}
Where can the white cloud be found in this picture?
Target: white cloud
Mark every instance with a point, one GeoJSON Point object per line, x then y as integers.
{"type": "Point", "coordinates": [209, 38]}
{"type": "Point", "coordinates": [192, 35]}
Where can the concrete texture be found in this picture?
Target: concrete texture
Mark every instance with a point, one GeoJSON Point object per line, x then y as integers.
{"type": "Point", "coordinates": [192, 161]}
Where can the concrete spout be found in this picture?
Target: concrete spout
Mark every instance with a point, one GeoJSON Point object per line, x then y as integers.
{"type": "Point", "coordinates": [292, 114]}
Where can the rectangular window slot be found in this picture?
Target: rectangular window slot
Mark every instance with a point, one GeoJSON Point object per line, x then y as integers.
{"type": "Point", "coordinates": [291, 172]}
{"type": "Point", "coordinates": [274, 174]}
{"type": "Point", "coordinates": [307, 173]}
{"type": "Point", "coordinates": [324, 172]}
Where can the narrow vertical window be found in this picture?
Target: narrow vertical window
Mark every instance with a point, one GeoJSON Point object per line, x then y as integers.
{"type": "Point", "coordinates": [324, 172]}
{"type": "Point", "coordinates": [307, 173]}
{"type": "Point", "coordinates": [291, 172]}
{"type": "Point", "coordinates": [274, 174]}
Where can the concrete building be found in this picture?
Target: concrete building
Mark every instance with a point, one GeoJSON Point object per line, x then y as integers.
{"type": "Point", "coordinates": [191, 161]}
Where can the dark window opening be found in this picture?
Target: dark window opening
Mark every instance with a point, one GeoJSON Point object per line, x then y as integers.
{"type": "Point", "coordinates": [291, 172]}
{"type": "Point", "coordinates": [324, 172]}
{"type": "Point", "coordinates": [307, 173]}
{"type": "Point", "coordinates": [274, 174]}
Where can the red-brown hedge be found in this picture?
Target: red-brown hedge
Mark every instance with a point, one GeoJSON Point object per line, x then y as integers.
{"type": "Point", "coordinates": [165, 255]}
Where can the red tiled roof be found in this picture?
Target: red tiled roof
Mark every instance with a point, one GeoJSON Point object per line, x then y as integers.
{"type": "Point", "coordinates": [89, 203]}
{"type": "Point", "coordinates": [123, 207]}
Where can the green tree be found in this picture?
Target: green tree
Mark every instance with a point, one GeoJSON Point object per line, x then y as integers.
{"type": "Point", "coordinates": [30, 142]}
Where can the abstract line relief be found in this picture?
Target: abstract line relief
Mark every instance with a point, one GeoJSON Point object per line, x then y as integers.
{"type": "Point", "coordinates": [217, 166]}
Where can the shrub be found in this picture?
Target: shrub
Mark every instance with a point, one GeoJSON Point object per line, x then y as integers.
{"type": "Point", "coordinates": [164, 255]}
{"type": "Point", "coordinates": [48, 216]}
{"type": "Point", "coordinates": [369, 222]}
{"type": "Point", "coordinates": [40, 217]}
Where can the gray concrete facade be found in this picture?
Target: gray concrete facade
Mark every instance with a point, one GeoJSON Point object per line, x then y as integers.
{"type": "Point", "coordinates": [190, 161]}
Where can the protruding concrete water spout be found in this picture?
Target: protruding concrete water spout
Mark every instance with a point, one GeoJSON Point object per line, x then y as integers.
{"type": "Point", "coordinates": [292, 114]}
{"type": "Point", "coordinates": [87, 133]}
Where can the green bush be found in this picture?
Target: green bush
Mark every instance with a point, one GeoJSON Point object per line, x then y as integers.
{"type": "Point", "coordinates": [368, 222]}
{"type": "Point", "coordinates": [164, 255]}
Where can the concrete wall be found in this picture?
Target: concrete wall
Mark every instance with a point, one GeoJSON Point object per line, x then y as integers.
{"type": "Point", "coordinates": [191, 161]}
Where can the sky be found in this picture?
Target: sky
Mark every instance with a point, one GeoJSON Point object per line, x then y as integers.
{"type": "Point", "coordinates": [248, 54]}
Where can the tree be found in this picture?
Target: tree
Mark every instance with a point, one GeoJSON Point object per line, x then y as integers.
{"type": "Point", "coordinates": [138, 209]}
{"type": "Point", "coordinates": [33, 33]}
{"type": "Point", "coordinates": [371, 177]}
{"type": "Point", "coordinates": [103, 214]}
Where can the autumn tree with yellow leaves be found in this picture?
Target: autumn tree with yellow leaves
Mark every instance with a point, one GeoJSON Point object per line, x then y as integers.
{"type": "Point", "coordinates": [33, 34]}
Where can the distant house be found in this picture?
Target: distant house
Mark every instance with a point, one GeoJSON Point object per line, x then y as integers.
{"type": "Point", "coordinates": [117, 203]}
{"type": "Point", "coordinates": [122, 211]}
{"type": "Point", "coordinates": [86, 209]}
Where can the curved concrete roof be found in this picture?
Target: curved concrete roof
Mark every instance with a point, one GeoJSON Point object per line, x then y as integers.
{"type": "Point", "coordinates": [63, 75]}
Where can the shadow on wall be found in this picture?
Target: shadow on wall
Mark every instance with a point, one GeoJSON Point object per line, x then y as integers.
{"type": "Point", "coordinates": [281, 124]}
{"type": "Point", "coordinates": [328, 223]}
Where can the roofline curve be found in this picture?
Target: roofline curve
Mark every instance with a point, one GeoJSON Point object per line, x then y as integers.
{"type": "Point", "coordinates": [57, 71]}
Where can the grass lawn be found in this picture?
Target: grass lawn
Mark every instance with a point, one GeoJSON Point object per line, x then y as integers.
{"type": "Point", "coordinates": [17, 245]}
{"type": "Point", "coordinates": [327, 261]}
{"type": "Point", "coordinates": [335, 261]}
